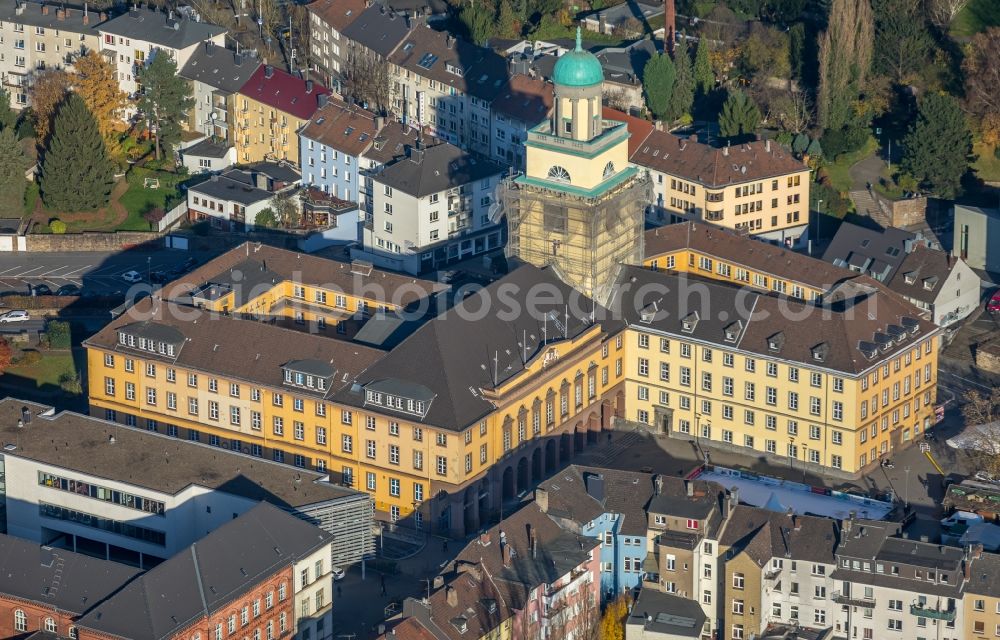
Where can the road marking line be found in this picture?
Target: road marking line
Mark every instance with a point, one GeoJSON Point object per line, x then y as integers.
{"type": "Point", "coordinates": [75, 271]}
{"type": "Point", "coordinates": [21, 275]}
{"type": "Point", "coordinates": [9, 270]}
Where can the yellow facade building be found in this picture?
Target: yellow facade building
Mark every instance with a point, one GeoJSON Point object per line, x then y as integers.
{"type": "Point", "coordinates": [758, 188]}
{"type": "Point", "coordinates": [291, 357]}
{"type": "Point", "coordinates": [832, 387]}
{"type": "Point", "coordinates": [270, 109]}
{"type": "Point", "coordinates": [981, 600]}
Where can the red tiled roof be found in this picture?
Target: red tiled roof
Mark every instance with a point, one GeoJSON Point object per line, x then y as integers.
{"type": "Point", "coordinates": [284, 92]}
{"type": "Point", "coordinates": [337, 13]}
{"type": "Point", "coordinates": [637, 127]}
{"type": "Point", "coordinates": [711, 166]}
{"type": "Point", "coordinates": [525, 98]}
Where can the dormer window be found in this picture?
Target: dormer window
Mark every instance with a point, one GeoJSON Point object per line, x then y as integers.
{"type": "Point", "coordinates": [776, 342]}
{"type": "Point", "coordinates": [820, 351]}
{"type": "Point", "coordinates": [910, 278]}
{"type": "Point", "coordinates": [400, 395]}
{"type": "Point", "coordinates": [930, 283]}
{"type": "Point", "coordinates": [309, 374]}
{"type": "Point", "coordinates": [733, 331]}
{"type": "Point", "coordinates": [648, 313]}
{"type": "Point", "coordinates": [690, 322]}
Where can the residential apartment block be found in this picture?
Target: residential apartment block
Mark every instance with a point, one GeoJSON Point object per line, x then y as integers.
{"type": "Point", "coordinates": [523, 578]}
{"type": "Point", "coordinates": [132, 39]}
{"type": "Point", "coordinates": [233, 199]}
{"type": "Point", "coordinates": [328, 50]}
{"type": "Point", "coordinates": [35, 36]}
{"type": "Point", "coordinates": [271, 108]}
{"type": "Point", "coordinates": [758, 188]}
{"type": "Point", "coordinates": [521, 105]}
{"type": "Point", "coordinates": [92, 496]}
{"type": "Point", "coordinates": [331, 145]}
{"type": "Point", "coordinates": [431, 209]}
{"type": "Point", "coordinates": [216, 75]}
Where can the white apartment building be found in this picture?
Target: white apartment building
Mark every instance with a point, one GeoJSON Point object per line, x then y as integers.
{"type": "Point", "coordinates": [431, 208]}
{"type": "Point", "coordinates": [39, 36]}
{"type": "Point", "coordinates": [131, 40]}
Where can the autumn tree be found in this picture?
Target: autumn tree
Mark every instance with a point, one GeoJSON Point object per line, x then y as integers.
{"type": "Point", "coordinates": [982, 76]}
{"type": "Point", "coordinates": [937, 150]}
{"type": "Point", "coordinates": [13, 164]}
{"type": "Point", "coordinates": [269, 14]}
{"type": "Point", "coordinates": [76, 173]}
{"type": "Point", "coordinates": [6, 355]}
{"type": "Point", "coordinates": [943, 12]}
{"type": "Point", "coordinates": [765, 52]}
{"type": "Point", "coordinates": [48, 90]}
{"type": "Point", "coordinates": [792, 110]}
{"type": "Point", "coordinates": [165, 101]}
{"type": "Point", "coordinates": [95, 82]}
{"type": "Point", "coordinates": [613, 620]}
{"type": "Point", "coordinates": [845, 53]}
{"type": "Point", "coordinates": [982, 418]}
{"type": "Point", "coordinates": [367, 81]}
{"type": "Point", "coordinates": [658, 79]}
{"type": "Point", "coordinates": [508, 24]}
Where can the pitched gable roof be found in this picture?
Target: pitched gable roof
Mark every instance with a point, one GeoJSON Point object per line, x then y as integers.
{"type": "Point", "coordinates": [284, 92]}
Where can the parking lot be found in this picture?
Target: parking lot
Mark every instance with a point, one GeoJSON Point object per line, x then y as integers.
{"type": "Point", "coordinates": [95, 273]}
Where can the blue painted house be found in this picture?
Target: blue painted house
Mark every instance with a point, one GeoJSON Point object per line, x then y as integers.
{"type": "Point", "coordinates": [609, 505]}
{"type": "Point", "coordinates": [330, 146]}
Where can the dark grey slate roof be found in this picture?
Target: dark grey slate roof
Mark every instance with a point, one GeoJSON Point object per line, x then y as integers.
{"type": "Point", "coordinates": [449, 354]}
{"type": "Point", "coordinates": [220, 68]}
{"type": "Point", "coordinates": [32, 16]}
{"type": "Point", "coordinates": [985, 572]}
{"type": "Point", "coordinates": [874, 252]}
{"type": "Point", "coordinates": [234, 185]}
{"type": "Point", "coordinates": [659, 612]}
{"type": "Point", "coordinates": [922, 274]}
{"type": "Point", "coordinates": [157, 462]}
{"type": "Point", "coordinates": [154, 331]}
{"type": "Point", "coordinates": [57, 578]}
{"type": "Point", "coordinates": [764, 534]}
{"type": "Point", "coordinates": [441, 167]}
{"type": "Point", "coordinates": [206, 576]}
{"type": "Point", "coordinates": [624, 65]}
{"type": "Point", "coordinates": [863, 538]}
{"type": "Point", "coordinates": [625, 492]}
{"type": "Point", "coordinates": [279, 171]}
{"type": "Point", "coordinates": [157, 27]}
{"type": "Point", "coordinates": [207, 148]}
{"type": "Point", "coordinates": [378, 29]}
{"type": "Point", "coordinates": [314, 367]}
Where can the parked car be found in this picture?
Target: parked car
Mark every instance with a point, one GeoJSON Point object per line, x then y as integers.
{"type": "Point", "coordinates": [159, 277]}
{"type": "Point", "coordinates": [132, 276]}
{"type": "Point", "coordinates": [338, 573]}
{"type": "Point", "coordinates": [994, 303]}
{"type": "Point", "coordinates": [68, 290]}
{"type": "Point", "coordinates": [41, 290]}
{"type": "Point", "coordinates": [18, 315]}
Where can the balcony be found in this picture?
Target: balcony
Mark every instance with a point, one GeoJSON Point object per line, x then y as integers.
{"type": "Point", "coordinates": [924, 611]}
{"type": "Point", "coordinates": [772, 572]}
{"type": "Point", "coordinates": [714, 216]}
{"type": "Point", "coordinates": [554, 594]}
{"type": "Point", "coordinates": [840, 598]}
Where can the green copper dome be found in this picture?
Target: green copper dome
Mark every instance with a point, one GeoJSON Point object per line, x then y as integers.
{"type": "Point", "coordinates": [578, 68]}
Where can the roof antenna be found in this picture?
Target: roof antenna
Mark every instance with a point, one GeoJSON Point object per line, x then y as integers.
{"type": "Point", "coordinates": [496, 367]}
{"type": "Point", "coordinates": [566, 325]}
{"type": "Point", "coordinates": [524, 346]}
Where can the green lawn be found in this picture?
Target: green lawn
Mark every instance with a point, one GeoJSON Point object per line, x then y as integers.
{"type": "Point", "coordinates": [976, 17]}
{"type": "Point", "coordinates": [839, 169]}
{"type": "Point", "coordinates": [138, 200]}
{"type": "Point", "coordinates": [47, 371]}
{"type": "Point", "coordinates": [987, 165]}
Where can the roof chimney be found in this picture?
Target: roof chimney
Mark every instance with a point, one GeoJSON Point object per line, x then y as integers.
{"type": "Point", "coordinates": [309, 86]}
{"type": "Point", "coordinates": [689, 486]}
{"type": "Point", "coordinates": [595, 486]}
{"type": "Point", "coordinates": [542, 499]}
{"type": "Point", "coordinates": [533, 540]}
{"type": "Point", "coordinates": [725, 150]}
{"type": "Point", "coordinates": [693, 138]}
{"type": "Point", "coordinates": [268, 71]}
{"type": "Point", "coordinates": [669, 25]}
{"type": "Point", "coordinates": [734, 497]}
{"type": "Point", "coordinates": [658, 484]}
{"type": "Point", "coordinates": [60, 13]}
{"type": "Point", "coordinates": [45, 9]}
{"type": "Point", "coordinates": [451, 595]}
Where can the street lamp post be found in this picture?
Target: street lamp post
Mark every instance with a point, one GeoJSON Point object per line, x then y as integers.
{"type": "Point", "coordinates": [906, 489]}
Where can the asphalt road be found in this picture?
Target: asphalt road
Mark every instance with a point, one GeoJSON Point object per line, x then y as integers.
{"type": "Point", "coordinates": [95, 273]}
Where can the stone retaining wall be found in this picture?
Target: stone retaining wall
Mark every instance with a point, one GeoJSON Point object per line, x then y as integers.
{"type": "Point", "coordinates": [92, 241]}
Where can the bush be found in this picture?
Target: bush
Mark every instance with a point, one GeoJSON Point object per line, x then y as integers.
{"type": "Point", "coordinates": [57, 226]}
{"type": "Point", "coordinates": [58, 334]}
{"type": "Point", "coordinates": [28, 358]}
{"type": "Point", "coordinates": [801, 143]}
{"type": "Point", "coordinates": [850, 138]}
{"type": "Point", "coordinates": [784, 138]}
{"type": "Point", "coordinates": [70, 383]}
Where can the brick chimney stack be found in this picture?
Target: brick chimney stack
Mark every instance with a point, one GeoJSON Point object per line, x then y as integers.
{"type": "Point", "coordinates": [669, 25]}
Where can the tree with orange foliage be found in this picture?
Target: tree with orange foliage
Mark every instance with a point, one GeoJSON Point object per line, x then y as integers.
{"type": "Point", "coordinates": [95, 82]}
{"type": "Point", "coordinates": [48, 90]}
{"type": "Point", "coordinates": [6, 355]}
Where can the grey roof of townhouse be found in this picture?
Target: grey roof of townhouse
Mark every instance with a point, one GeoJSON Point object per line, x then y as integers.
{"type": "Point", "coordinates": [177, 32]}
{"type": "Point", "coordinates": [279, 171]}
{"type": "Point", "coordinates": [235, 185]}
{"type": "Point", "coordinates": [220, 68]}
{"type": "Point", "coordinates": [622, 492]}
{"type": "Point", "coordinates": [658, 612]}
{"type": "Point", "coordinates": [624, 65]}
{"type": "Point", "coordinates": [984, 576]}
{"type": "Point", "coordinates": [862, 539]}
{"type": "Point", "coordinates": [952, 589]}
{"type": "Point", "coordinates": [37, 14]}
{"type": "Point", "coordinates": [921, 554]}
{"type": "Point", "coordinates": [390, 142]}
{"type": "Point", "coordinates": [450, 353]}
{"type": "Point", "coordinates": [56, 578]}
{"type": "Point", "coordinates": [621, 13]}
{"type": "Point", "coordinates": [874, 252]}
{"type": "Point", "coordinates": [922, 274]}
{"type": "Point", "coordinates": [378, 29]}
{"type": "Point", "coordinates": [849, 333]}
{"type": "Point", "coordinates": [435, 169]}
{"type": "Point", "coordinates": [451, 62]}
{"type": "Point", "coordinates": [141, 458]}
{"type": "Point", "coordinates": [764, 534]}
{"type": "Point", "coordinates": [206, 576]}
{"type": "Point", "coordinates": [207, 148]}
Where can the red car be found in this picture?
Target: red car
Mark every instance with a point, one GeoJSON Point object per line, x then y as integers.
{"type": "Point", "coordinates": [994, 303]}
